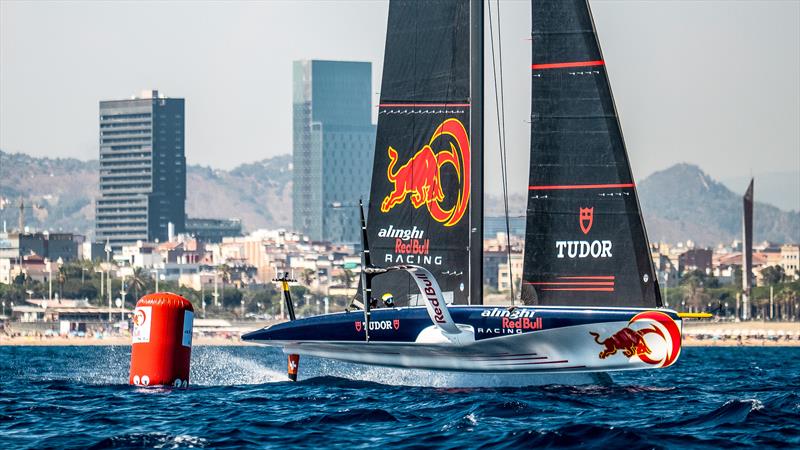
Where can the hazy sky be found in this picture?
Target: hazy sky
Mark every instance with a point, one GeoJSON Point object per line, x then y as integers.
{"type": "Point", "coordinates": [715, 83]}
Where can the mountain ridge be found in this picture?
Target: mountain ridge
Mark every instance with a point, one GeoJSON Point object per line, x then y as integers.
{"type": "Point", "coordinates": [258, 193]}
{"type": "Point", "coordinates": [678, 203]}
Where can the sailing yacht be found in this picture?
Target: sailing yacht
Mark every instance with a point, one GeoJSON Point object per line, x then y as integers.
{"type": "Point", "coordinates": [590, 300]}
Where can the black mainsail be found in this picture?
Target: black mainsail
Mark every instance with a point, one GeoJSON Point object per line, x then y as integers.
{"type": "Point", "coordinates": [585, 239]}
{"type": "Point", "coordinates": [422, 188]}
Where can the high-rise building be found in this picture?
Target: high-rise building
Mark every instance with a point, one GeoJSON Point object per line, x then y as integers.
{"type": "Point", "coordinates": [142, 169]}
{"type": "Point", "coordinates": [334, 143]}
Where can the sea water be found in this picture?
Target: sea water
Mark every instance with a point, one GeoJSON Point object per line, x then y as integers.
{"type": "Point", "coordinates": [78, 397]}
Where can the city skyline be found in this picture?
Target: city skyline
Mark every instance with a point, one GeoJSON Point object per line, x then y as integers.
{"type": "Point", "coordinates": [678, 94]}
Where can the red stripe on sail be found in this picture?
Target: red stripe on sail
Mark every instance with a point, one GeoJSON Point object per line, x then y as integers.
{"type": "Point", "coordinates": [572, 283]}
{"type": "Point", "coordinates": [598, 277]}
{"type": "Point", "coordinates": [580, 186]}
{"type": "Point", "coordinates": [562, 65]}
{"type": "Point", "coordinates": [598, 289]}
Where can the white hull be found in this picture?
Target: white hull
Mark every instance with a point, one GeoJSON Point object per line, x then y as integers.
{"type": "Point", "coordinates": [566, 349]}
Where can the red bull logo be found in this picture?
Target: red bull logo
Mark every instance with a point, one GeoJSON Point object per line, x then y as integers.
{"type": "Point", "coordinates": [524, 323]}
{"type": "Point", "coordinates": [633, 340]}
{"type": "Point", "coordinates": [421, 176]}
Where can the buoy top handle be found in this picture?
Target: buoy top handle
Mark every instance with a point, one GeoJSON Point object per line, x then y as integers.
{"type": "Point", "coordinates": [167, 299]}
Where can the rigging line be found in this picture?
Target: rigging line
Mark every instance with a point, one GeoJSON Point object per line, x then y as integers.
{"type": "Point", "coordinates": [504, 156]}
{"type": "Point", "coordinates": [501, 139]}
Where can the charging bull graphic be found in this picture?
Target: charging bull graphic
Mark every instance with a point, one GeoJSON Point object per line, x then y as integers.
{"type": "Point", "coordinates": [421, 176]}
{"type": "Point", "coordinates": [631, 341]}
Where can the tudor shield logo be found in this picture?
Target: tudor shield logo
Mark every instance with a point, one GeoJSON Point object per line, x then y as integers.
{"type": "Point", "coordinates": [421, 176]}
{"type": "Point", "coordinates": [586, 216]}
{"type": "Point", "coordinates": [584, 249]}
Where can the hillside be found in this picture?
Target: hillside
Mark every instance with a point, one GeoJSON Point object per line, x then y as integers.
{"type": "Point", "coordinates": [678, 203]}
{"type": "Point", "coordinates": [259, 193]}
{"type": "Point", "coordinates": [59, 193]}
{"type": "Point", "coordinates": [683, 202]}
{"type": "Point", "coordinates": [781, 189]}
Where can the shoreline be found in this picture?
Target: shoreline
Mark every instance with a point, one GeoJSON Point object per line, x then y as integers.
{"type": "Point", "coordinates": [692, 342]}
{"type": "Point", "coordinates": [695, 334]}
{"type": "Point", "coordinates": [688, 341]}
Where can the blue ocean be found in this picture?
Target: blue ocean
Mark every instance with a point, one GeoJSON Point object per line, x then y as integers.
{"type": "Point", "coordinates": [77, 397]}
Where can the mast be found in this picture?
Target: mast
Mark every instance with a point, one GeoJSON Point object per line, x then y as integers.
{"type": "Point", "coordinates": [293, 360]}
{"type": "Point", "coordinates": [476, 138]}
{"type": "Point", "coordinates": [366, 278]}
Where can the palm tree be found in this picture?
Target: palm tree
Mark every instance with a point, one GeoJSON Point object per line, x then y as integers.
{"type": "Point", "coordinates": [348, 276]}
{"type": "Point", "coordinates": [225, 271]}
{"type": "Point", "coordinates": [308, 277]}
{"type": "Point", "coordinates": [773, 275]}
{"type": "Point", "coordinates": [61, 278]}
{"type": "Point", "coordinates": [138, 282]}
{"type": "Point", "coordinates": [784, 297]}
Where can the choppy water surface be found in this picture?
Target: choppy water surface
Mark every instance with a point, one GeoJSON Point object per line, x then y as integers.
{"type": "Point", "coordinates": [76, 397]}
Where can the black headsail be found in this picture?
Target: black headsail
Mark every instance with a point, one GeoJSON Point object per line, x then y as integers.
{"type": "Point", "coordinates": [585, 240]}
{"type": "Point", "coordinates": [419, 210]}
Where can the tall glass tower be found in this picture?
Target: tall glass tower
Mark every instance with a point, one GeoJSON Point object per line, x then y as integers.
{"type": "Point", "coordinates": [334, 143]}
{"type": "Point", "coordinates": [142, 169]}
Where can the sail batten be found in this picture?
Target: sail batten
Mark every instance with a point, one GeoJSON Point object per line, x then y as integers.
{"type": "Point", "coordinates": [583, 212]}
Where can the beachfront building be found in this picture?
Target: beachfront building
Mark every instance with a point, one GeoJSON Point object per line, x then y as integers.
{"type": "Point", "coordinates": [47, 245]}
{"type": "Point", "coordinates": [213, 230]}
{"type": "Point", "coordinates": [790, 261]}
{"type": "Point", "coordinates": [65, 316]}
{"type": "Point", "coordinates": [503, 279]}
{"type": "Point", "coordinates": [695, 259]}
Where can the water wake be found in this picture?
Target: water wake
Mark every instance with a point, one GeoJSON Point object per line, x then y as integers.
{"type": "Point", "coordinates": [218, 366]}
{"type": "Point", "coordinates": [152, 440]}
{"type": "Point", "coordinates": [444, 379]}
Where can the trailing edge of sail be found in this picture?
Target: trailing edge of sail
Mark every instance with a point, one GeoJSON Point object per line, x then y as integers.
{"type": "Point", "coordinates": [419, 210]}
{"type": "Point", "coordinates": [585, 242]}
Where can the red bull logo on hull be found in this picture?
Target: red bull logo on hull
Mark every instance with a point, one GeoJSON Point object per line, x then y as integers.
{"type": "Point", "coordinates": [421, 176]}
{"type": "Point", "coordinates": [658, 344]}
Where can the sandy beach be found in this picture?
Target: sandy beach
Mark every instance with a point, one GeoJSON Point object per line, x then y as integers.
{"type": "Point", "coordinates": [700, 333]}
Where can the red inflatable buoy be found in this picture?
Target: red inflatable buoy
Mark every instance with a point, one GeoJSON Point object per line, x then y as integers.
{"type": "Point", "coordinates": [162, 340]}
